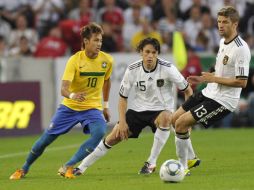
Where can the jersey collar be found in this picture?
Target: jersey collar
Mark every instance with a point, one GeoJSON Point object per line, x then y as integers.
{"type": "Point", "coordinates": [231, 40]}
{"type": "Point", "coordinates": [151, 70]}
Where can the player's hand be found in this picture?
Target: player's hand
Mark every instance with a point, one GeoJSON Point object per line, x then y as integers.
{"type": "Point", "coordinates": [195, 79]}
{"type": "Point", "coordinates": [207, 77]}
{"type": "Point", "coordinates": [79, 96]}
{"type": "Point", "coordinates": [106, 114]}
{"type": "Point", "coordinates": [122, 131]}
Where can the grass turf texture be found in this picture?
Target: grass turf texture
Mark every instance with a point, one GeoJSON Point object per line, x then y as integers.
{"type": "Point", "coordinates": [227, 163]}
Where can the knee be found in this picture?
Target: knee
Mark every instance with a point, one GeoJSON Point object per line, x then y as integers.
{"type": "Point", "coordinates": [165, 120]}
{"type": "Point", "coordinates": [181, 125]}
{"type": "Point", "coordinates": [99, 134]}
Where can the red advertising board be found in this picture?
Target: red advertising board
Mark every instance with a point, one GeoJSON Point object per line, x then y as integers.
{"type": "Point", "coordinates": [20, 108]}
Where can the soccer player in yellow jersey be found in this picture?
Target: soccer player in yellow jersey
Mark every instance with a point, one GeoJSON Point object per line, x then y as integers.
{"type": "Point", "coordinates": [85, 80]}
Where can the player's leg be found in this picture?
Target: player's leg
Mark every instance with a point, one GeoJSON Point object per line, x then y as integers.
{"type": "Point", "coordinates": [99, 151]}
{"type": "Point", "coordinates": [111, 140]}
{"type": "Point", "coordinates": [204, 111]}
{"type": "Point", "coordinates": [163, 123]}
{"type": "Point", "coordinates": [37, 149]}
{"type": "Point", "coordinates": [182, 137]}
{"type": "Point", "coordinates": [97, 130]}
{"type": "Point", "coordinates": [62, 122]}
{"type": "Point", "coordinates": [193, 160]}
{"type": "Point", "coordinates": [194, 100]}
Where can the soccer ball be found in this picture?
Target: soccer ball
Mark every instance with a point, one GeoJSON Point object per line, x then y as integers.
{"type": "Point", "coordinates": [172, 171]}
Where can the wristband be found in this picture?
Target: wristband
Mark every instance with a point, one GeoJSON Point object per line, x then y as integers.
{"type": "Point", "coordinates": [106, 104]}
{"type": "Point", "coordinates": [71, 95]}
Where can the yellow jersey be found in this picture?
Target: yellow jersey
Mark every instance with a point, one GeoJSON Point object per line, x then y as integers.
{"type": "Point", "coordinates": [87, 75]}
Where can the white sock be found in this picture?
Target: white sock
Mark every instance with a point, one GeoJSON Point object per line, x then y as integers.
{"type": "Point", "coordinates": [191, 153]}
{"type": "Point", "coordinates": [182, 150]}
{"type": "Point", "coordinates": [98, 152]}
{"type": "Point", "coordinates": [160, 138]}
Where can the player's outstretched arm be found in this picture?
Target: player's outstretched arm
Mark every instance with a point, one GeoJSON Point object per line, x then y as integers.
{"type": "Point", "coordinates": [122, 130]}
{"type": "Point", "coordinates": [106, 91]}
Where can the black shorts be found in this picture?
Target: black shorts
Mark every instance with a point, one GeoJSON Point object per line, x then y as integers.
{"type": "Point", "coordinates": [139, 120]}
{"type": "Point", "coordinates": [205, 110]}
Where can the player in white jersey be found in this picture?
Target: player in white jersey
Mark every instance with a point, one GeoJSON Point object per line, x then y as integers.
{"type": "Point", "coordinates": [222, 93]}
{"type": "Point", "coordinates": [153, 104]}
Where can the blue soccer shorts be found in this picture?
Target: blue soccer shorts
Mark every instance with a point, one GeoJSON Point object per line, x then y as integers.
{"type": "Point", "coordinates": [65, 119]}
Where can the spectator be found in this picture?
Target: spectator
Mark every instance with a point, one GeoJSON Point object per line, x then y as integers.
{"type": "Point", "coordinates": [22, 30]}
{"type": "Point", "coordinates": [210, 32]}
{"type": "Point", "coordinates": [249, 38]}
{"type": "Point", "coordinates": [145, 11]}
{"type": "Point", "coordinates": [215, 5]}
{"type": "Point", "coordinates": [51, 45]}
{"type": "Point", "coordinates": [168, 25]}
{"type": "Point", "coordinates": [109, 42]}
{"type": "Point", "coordinates": [198, 3]}
{"type": "Point", "coordinates": [3, 47]}
{"type": "Point", "coordinates": [146, 31]}
{"type": "Point", "coordinates": [246, 24]}
{"type": "Point", "coordinates": [201, 44]}
{"type": "Point", "coordinates": [193, 67]}
{"type": "Point", "coordinates": [83, 13]}
{"type": "Point", "coordinates": [23, 49]}
{"type": "Point", "coordinates": [132, 26]}
{"type": "Point", "coordinates": [113, 15]}
{"type": "Point", "coordinates": [192, 26]}
{"type": "Point", "coordinates": [5, 28]}
{"type": "Point", "coordinates": [48, 13]}
{"type": "Point", "coordinates": [123, 4]}
{"type": "Point", "coordinates": [161, 7]}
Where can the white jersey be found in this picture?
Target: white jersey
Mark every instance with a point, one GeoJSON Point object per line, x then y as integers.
{"type": "Point", "coordinates": [233, 60]}
{"type": "Point", "coordinates": [153, 91]}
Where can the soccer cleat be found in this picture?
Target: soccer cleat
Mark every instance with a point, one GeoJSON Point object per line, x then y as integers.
{"type": "Point", "coordinates": [193, 163]}
{"type": "Point", "coordinates": [62, 170]}
{"type": "Point", "coordinates": [77, 172]}
{"type": "Point", "coordinates": [18, 174]}
{"type": "Point", "coordinates": [187, 172]}
{"type": "Point", "coordinates": [147, 168]}
{"type": "Point", "coordinates": [69, 173]}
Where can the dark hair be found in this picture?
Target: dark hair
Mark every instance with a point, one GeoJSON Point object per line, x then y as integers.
{"type": "Point", "coordinates": [152, 41]}
{"type": "Point", "coordinates": [229, 12]}
{"type": "Point", "coordinates": [87, 31]}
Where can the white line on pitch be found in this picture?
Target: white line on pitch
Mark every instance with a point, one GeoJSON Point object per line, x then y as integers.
{"type": "Point", "coordinates": [47, 150]}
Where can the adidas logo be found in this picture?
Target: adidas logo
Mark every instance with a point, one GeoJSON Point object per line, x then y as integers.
{"type": "Point", "coordinates": [150, 78]}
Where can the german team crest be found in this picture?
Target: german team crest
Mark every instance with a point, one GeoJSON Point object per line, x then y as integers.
{"type": "Point", "coordinates": [160, 82]}
{"type": "Point", "coordinates": [104, 65]}
{"type": "Point", "coordinates": [225, 60]}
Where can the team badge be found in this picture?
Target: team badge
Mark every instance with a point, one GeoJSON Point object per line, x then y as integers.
{"type": "Point", "coordinates": [160, 82]}
{"type": "Point", "coordinates": [225, 60]}
{"type": "Point", "coordinates": [104, 65]}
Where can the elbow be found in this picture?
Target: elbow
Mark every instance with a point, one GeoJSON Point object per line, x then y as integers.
{"type": "Point", "coordinates": [188, 92]}
{"type": "Point", "coordinates": [62, 91]}
{"type": "Point", "coordinates": [243, 83]}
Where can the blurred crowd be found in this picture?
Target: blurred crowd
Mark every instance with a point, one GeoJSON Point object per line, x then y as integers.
{"type": "Point", "coordinates": [50, 28]}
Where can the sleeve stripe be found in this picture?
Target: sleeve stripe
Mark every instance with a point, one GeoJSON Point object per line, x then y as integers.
{"type": "Point", "coordinates": [185, 87]}
{"type": "Point", "coordinates": [123, 96]}
{"type": "Point", "coordinates": [242, 77]}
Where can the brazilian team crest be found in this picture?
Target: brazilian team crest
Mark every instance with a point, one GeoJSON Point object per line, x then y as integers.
{"type": "Point", "coordinates": [104, 65]}
{"type": "Point", "coordinates": [225, 60]}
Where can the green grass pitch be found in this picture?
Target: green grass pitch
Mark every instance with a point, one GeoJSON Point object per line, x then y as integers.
{"type": "Point", "coordinates": [227, 163]}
